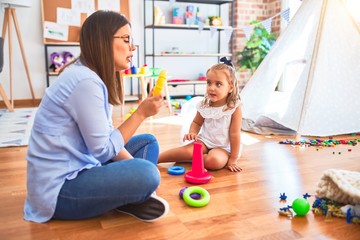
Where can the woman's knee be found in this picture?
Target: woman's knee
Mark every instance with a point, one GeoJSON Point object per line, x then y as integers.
{"type": "Point", "coordinates": [149, 137]}
{"type": "Point", "coordinates": [147, 171]}
{"type": "Point", "coordinates": [136, 172]}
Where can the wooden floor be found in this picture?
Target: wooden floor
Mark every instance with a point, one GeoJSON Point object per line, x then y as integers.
{"type": "Point", "coordinates": [243, 205]}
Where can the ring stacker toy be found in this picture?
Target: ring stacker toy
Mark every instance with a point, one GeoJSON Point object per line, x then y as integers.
{"type": "Point", "coordinates": [197, 173]}
{"type": "Point", "coordinates": [192, 195]}
{"type": "Point", "coordinates": [176, 170]}
{"type": "Point", "coordinates": [202, 202]}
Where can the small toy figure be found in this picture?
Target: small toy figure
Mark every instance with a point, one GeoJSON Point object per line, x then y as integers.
{"type": "Point", "coordinates": [306, 195]}
{"type": "Point", "coordinates": [68, 57]}
{"type": "Point", "coordinates": [215, 21]}
{"type": "Point", "coordinates": [285, 211]}
{"type": "Point", "coordinates": [57, 61]}
{"type": "Point", "coordinates": [283, 197]}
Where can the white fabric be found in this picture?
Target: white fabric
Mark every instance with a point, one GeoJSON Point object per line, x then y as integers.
{"type": "Point", "coordinates": [318, 56]}
{"type": "Point", "coordinates": [341, 186]}
{"type": "Point", "coordinates": [214, 132]}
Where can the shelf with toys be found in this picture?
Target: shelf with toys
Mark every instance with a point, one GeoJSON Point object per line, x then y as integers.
{"type": "Point", "coordinates": [180, 54]}
{"type": "Point", "coordinates": [58, 55]}
{"type": "Point", "coordinates": [186, 26]}
{"type": "Point", "coordinates": [185, 37]}
{"type": "Point", "coordinates": [199, 1]}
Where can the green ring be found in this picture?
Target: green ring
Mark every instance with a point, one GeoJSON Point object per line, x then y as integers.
{"type": "Point", "coordinates": [202, 202]}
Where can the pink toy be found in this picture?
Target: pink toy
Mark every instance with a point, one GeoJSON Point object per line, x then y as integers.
{"type": "Point", "coordinates": [197, 173]}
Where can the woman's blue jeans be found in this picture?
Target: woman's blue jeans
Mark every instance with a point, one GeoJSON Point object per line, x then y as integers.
{"type": "Point", "coordinates": [100, 189]}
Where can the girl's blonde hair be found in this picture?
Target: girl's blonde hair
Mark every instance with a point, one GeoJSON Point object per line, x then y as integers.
{"type": "Point", "coordinates": [234, 96]}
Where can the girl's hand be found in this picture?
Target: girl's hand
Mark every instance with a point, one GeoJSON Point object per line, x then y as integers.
{"type": "Point", "coordinates": [233, 166]}
{"type": "Point", "coordinates": [150, 106]}
{"type": "Point", "coordinates": [190, 137]}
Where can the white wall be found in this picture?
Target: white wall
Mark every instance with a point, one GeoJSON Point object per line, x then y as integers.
{"type": "Point", "coordinates": [29, 20]}
{"type": "Point", "coordinates": [30, 23]}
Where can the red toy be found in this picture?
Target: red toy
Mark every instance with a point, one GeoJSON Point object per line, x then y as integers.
{"type": "Point", "coordinates": [197, 173]}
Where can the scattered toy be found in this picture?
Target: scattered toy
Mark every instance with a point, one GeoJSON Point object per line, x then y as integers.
{"type": "Point", "coordinates": [202, 202]}
{"type": "Point", "coordinates": [176, 170]}
{"type": "Point", "coordinates": [283, 197]}
{"type": "Point", "coordinates": [301, 206]}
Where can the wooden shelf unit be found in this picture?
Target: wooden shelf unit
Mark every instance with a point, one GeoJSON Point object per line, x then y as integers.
{"type": "Point", "coordinates": [151, 54]}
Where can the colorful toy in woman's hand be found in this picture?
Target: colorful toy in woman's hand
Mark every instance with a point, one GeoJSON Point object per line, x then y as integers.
{"type": "Point", "coordinates": [160, 82]}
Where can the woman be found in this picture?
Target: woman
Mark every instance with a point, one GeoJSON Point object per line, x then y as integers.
{"type": "Point", "coordinates": [79, 166]}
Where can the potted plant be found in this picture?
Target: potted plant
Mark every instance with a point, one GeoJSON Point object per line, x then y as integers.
{"type": "Point", "coordinates": [256, 48]}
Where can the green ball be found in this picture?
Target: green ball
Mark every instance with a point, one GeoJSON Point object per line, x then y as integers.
{"type": "Point", "coordinates": [301, 206]}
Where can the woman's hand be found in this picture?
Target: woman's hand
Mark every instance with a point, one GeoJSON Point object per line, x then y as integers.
{"type": "Point", "coordinates": [150, 106]}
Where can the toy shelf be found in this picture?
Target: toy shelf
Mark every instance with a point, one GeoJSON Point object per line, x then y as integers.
{"type": "Point", "coordinates": [199, 1]}
{"type": "Point", "coordinates": [186, 27]}
{"type": "Point", "coordinates": [216, 45]}
{"type": "Point", "coordinates": [192, 87]}
{"type": "Point", "coordinates": [190, 55]}
{"type": "Point", "coordinates": [56, 46]}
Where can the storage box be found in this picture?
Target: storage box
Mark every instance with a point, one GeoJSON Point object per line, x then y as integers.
{"type": "Point", "coordinates": [178, 16]}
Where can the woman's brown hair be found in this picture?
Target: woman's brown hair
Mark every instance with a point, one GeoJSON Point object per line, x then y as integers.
{"type": "Point", "coordinates": [96, 44]}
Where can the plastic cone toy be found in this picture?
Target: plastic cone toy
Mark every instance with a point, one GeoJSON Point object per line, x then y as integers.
{"type": "Point", "coordinates": [197, 173]}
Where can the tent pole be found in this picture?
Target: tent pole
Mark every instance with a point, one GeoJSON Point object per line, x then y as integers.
{"type": "Point", "coordinates": [312, 68]}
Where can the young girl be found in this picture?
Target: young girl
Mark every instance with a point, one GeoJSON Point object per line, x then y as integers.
{"type": "Point", "coordinates": [217, 124]}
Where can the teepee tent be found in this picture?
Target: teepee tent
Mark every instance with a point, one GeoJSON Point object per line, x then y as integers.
{"type": "Point", "coordinates": [318, 59]}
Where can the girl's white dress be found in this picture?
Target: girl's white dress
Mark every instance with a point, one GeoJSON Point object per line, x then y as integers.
{"type": "Point", "coordinates": [214, 132]}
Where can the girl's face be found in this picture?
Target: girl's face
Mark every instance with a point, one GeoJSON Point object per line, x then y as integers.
{"type": "Point", "coordinates": [123, 48]}
{"type": "Point", "coordinates": [218, 87]}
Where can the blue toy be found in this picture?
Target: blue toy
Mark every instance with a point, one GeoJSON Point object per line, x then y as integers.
{"type": "Point", "coordinates": [306, 195]}
{"type": "Point", "coordinates": [283, 197]}
{"type": "Point", "coordinates": [176, 170]}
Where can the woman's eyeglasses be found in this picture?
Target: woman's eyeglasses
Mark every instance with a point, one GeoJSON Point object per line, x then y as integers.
{"type": "Point", "coordinates": [128, 39]}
